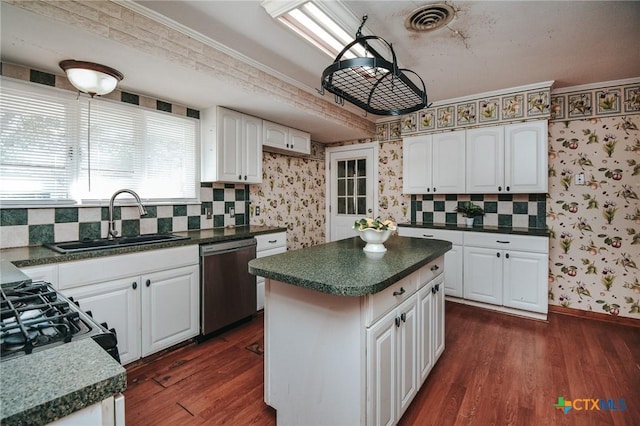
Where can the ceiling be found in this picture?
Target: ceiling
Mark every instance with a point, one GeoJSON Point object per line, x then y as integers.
{"type": "Point", "coordinates": [489, 45]}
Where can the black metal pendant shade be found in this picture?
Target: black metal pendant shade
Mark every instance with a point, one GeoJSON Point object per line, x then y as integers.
{"type": "Point", "coordinates": [373, 83]}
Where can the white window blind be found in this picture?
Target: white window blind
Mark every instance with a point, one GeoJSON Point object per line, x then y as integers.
{"type": "Point", "coordinates": [65, 149]}
{"type": "Point", "coordinates": [38, 144]}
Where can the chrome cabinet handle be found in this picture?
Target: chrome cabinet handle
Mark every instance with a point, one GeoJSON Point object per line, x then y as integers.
{"type": "Point", "coordinates": [399, 293]}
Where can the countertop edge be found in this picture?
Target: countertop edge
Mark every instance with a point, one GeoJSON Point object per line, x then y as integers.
{"type": "Point", "coordinates": [49, 257]}
{"type": "Point", "coordinates": [355, 291]}
{"type": "Point", "coordinates": [101, 378]}
{"type": "Point", "coordinates": [534, 232]}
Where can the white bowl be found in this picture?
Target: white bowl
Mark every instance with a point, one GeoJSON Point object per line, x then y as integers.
{"type": "Point", "coordinates": [375, 239]}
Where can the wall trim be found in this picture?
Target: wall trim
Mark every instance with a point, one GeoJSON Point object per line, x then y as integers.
{"type": "Point", "coordinates": [561, 310]}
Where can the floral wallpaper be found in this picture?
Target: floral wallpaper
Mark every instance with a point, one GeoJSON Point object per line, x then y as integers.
{"type": "Point", "coordinates": [292, 195]}
{"type": "Point", "coordinates": [595, 225]}
{"type": "Point", "coordinates": [392, 203]}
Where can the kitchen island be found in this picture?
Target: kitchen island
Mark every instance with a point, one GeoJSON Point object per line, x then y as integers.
{"type": "Point", "coordinates": [351, 336]}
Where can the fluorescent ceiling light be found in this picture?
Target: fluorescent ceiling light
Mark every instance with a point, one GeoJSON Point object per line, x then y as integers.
{"type": "Point", "coordinates": [320, 23]}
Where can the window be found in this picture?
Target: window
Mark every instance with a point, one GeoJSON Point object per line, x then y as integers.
{"type": "Point", "coordinates": [58, 148]}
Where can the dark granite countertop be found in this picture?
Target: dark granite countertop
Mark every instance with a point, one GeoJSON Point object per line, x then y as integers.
{"type": "Point", "coordinates": [539, 232]}
{"type": "Point", "coordinates": [343, 268]}
{"type": "Point", "coordinates": [41, 387]}
{"type": "Point", "coordinates": [39, 255]}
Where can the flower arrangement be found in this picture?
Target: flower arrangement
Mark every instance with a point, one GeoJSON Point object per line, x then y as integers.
{"type": "Point", "coordinates": [375, 224]}
{"type": "Point", "coordinates": [468, 209]}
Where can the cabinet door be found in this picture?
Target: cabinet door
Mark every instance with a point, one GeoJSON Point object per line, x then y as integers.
{"type": "Point", "coordinates": [483, 275]}
{"type": "Point", "coordinates": [407, 353]}
{"type": "Point", "coordinates": [299, 141]}
{"type": "Point", "coordinates": [251, 150]}
{"type": "Point", "coordinates": [425, 335]}
{"type": "Point", "coordinates": [229, 145]}
{"type": "Point", "coordinates": [437, 317]}
{"type": "Point", "coordinates": [448, 163]}
{"type": "Point", "coordinates": [525, 281]}
{"type": "Point", "coordinates": [118, 304]}
{"type": "Point", "coordinates": [48, 273]}
{"type": "Point", "coordinates": [453, 272]}
{"type": "Point", "coordinates": [416, 165]}
{"type": "Point", "coordinates": [275, 135]}
{"type": "Point", "coordinates": [485, 160]}
{"type": "Point", "coordinates": [381, 371]}
{"type": "Point", "coordinates": [169, 308]}
{"type": "Point", "coordinates": [526, 157]}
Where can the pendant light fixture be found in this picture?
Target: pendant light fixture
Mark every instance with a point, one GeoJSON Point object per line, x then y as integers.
{"type": "Point", "coordinates": [91, 78]}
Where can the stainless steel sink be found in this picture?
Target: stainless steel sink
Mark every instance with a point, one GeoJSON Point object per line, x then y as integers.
{"type": "Point", "coordinates": [103, 243]}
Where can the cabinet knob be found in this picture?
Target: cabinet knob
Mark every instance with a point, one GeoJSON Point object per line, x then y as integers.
{"type": "Point", "coordinates": [508, 188]}
{"type": "Point", "coordinates": [239, 177]}
{"type": "Point", "coordinates": [428, 189]}
{"type": "Point", "coordinates": [403, 317]}
{"type": "Point", "coordinates": [498, 254]}
{"type": "Point", "coordinates": [245, 177]}
{"type": "Point", "coordinates": [433, 289]}
{"type": "Point", "coordinates": [435, 267]}
{"type": "Point", "coordinates": [434, 190]}
{"type": "Point", "coordinates": [499, 188]}
{"type": "Point", "coordinates": [148, 283]}
{"type": "Point", "coordinates": [134, 285]}
{"type": "Point", "coordinates": [437, 287]}
{"type": "Point", "coordinates": [399, 293]}
{"type": "Point", "coordinates": [397, 322]}
{"type": "Point", "coordinates": [506, 255]}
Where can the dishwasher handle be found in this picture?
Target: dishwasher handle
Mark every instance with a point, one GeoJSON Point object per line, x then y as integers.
{"type": "Point", "coordinates": [227, 246]}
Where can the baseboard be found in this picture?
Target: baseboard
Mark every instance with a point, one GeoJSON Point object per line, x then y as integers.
{"type": "Point", "coordinates": [503, 309]}
{"type": "Point", "coordinates": [632, 322]}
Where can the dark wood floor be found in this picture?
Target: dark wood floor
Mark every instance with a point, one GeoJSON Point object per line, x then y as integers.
{"type": "Point", "coordinates": [496, 370]}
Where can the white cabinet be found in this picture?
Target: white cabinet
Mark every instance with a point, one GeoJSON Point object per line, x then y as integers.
{"type": "Point", "coordinates": [452, 259]}
{"type": "Point", "coordinates": [279, 138]}
{"type": "Point", "coordinates": [267, 245]}
{"type": "Point", "coordinates": [150, 298]}
{"type": "Point", "coordinates": [434, 163]}
{"type": "Point", "coordinates": [48, 273]}
{"type": "Point", "coordinates": [231, 147]}
{"type": "Point", "coordinates": [507, 270]}
{"type": "Point", "coordinates": [351, 360]}
{"type": "Point", "coordinates": [511, 158]}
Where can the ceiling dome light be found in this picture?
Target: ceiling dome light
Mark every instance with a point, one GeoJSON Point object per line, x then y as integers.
{"type": "Point", "coordinates": [91, 78]}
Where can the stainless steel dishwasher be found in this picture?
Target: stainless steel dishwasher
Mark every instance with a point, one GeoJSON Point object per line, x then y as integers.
{"type": "Point", "coordinates": [227, 290]}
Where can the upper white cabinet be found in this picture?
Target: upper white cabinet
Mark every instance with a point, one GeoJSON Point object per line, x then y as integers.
{"type": "Point", "coordinates": [434, 163]}
{"type": "Point", "coordinates": [279, 138]}
{"type": "Point", "coordinates": [231, 147]}
{"type": "Point", "coordinates": [511, 158]}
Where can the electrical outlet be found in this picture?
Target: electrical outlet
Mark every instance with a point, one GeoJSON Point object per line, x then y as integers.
{"type": "Point", "coordinates": [232, 212]}
{"type": "Point", "coordinates": [257, 210]}
{"type": "Point", "coordinates": [579, 179]}
{"type": "Point", "coordinates": [208, 212]}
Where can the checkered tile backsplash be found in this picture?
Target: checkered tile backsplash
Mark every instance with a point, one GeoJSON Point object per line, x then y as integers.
{"type": "Point", "coordinates": [508, 210]}
{"type": "Point", "coordinates": [34, 226]}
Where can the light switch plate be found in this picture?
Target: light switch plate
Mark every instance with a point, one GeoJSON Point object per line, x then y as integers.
{"type": "Point", "coordinates": [232, 212]}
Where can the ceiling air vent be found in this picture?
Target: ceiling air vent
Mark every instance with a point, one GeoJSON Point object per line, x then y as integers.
{"type": "Point", "coordinates": [429, 17]}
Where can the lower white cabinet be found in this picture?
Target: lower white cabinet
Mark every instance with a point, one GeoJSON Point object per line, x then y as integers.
{"type": "Point", "coordinates": [501, 270]}
{"type": "Point", "coordinates": [48, 273]}
{"type": "Point", "coordinates": [267, 245]}
{"type": "Point", "coordinates": [452, 258]}
{"type": "Point", "coordinates": [154, 306]}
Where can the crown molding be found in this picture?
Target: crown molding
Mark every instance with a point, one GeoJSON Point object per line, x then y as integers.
{"type": "Point", "coordinates": [592, 86]}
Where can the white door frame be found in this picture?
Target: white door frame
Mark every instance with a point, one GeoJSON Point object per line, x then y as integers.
{"type": "Point", "coordinates": [376, 159]}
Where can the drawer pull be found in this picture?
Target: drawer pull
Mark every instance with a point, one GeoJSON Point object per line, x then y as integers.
{"type": "Point", "coordinates": [427, 235]}
{"type": "Point", "coordinates": [435, 267]}
{"type": "Point", "coordinates": [399, 293]}
{"type": "Point", "coordinates": [403, 317]}
{"type": "Point", "coordinates": [273, 241]}
{"type": "Point", "coordinates": [435, 288]}
{"type": "Point", "coordinates": [397, 322]}
{"type": "Point", "coordinates": [502, 242]}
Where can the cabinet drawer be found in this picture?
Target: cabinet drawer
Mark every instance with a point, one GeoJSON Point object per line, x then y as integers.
{"type": "Point", "coordinates": [90, 271]}
{"type": "Point", "coordinates": [270, 241]}
{"type": "Point", "coordinates": [430, 271]}
{"type": "Point", "coordinates": [507, 242]}
{"type": "Point", "coordinates": [380, 303]}
{"type": "Point", "coordinates": [439, 234]}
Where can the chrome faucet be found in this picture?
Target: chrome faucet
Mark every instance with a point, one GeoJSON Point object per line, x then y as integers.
{"type": "Point", "coordinates": [112, 224]}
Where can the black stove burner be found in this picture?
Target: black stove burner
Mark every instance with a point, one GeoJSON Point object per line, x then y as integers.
{"type": "Point", "coordinates": [33, 315]}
